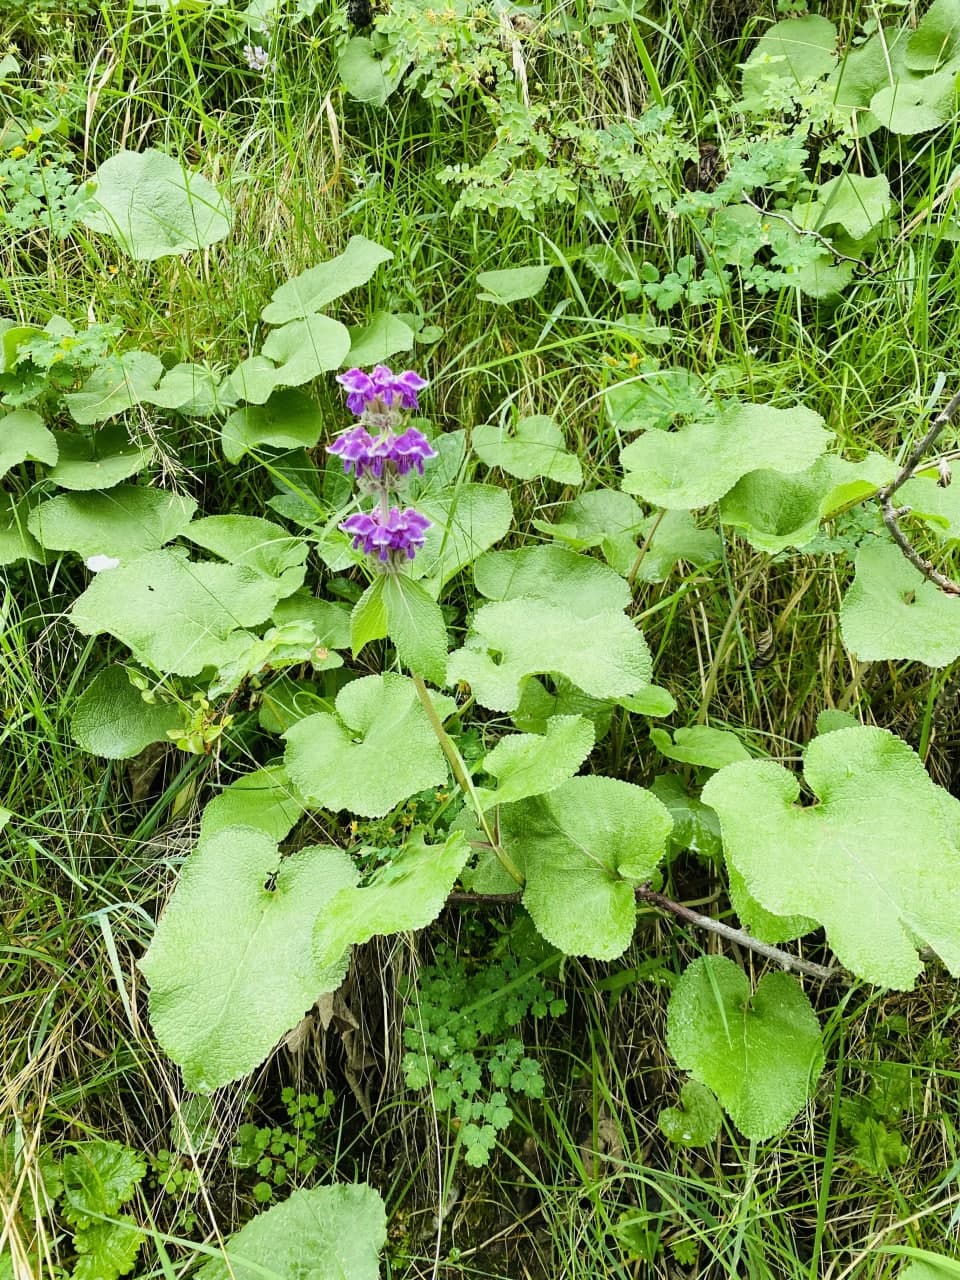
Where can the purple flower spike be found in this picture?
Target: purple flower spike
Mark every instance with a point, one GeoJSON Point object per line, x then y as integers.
{"type": "Point", "coordinates": [360, 388]}
{"type": "Point", "coordinates": [411, 450]}
{"type": "Point", "coordinates": [407, 384]}
{"type": "Point", "coordinates": [399, 534]}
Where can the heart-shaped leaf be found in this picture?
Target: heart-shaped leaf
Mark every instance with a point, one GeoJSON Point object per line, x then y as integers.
{"type": "Point", "coordinates": [527, 449]}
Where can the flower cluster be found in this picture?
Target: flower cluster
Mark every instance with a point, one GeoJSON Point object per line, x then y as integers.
{"type": "Point", "coordinates": [381, 459]}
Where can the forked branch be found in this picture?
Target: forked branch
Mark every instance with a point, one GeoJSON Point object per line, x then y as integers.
{"type": "Point", "coordinates": [892, 514]}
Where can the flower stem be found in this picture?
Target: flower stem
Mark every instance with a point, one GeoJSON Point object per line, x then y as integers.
{"type": "Point", "coordinates": [462, 775]}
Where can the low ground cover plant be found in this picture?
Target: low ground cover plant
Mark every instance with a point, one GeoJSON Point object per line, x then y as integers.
{"type": "Point", "coordinates": [502, 640]}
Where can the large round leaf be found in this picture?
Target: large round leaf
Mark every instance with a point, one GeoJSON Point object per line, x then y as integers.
{"type": "Point", "coordinates": [123, 522]}
{"type": "Point", "coordinates": [154, 207]}
{"type": "Point", "coordinates": [760, 1053]}
{"type": "Point", "coordinates": [99, 462]}
{"type": "Point", "coordinates": [876, 861]}
{"type": "Point", "coordinates": [230, 967]}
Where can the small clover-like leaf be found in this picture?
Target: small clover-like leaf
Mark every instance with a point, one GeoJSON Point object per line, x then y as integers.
{"type": "Point", "coordinates": [876, 861]}
{"type": "Point", "coordinates": [527, 449]}
{"type": "Point", "coordinates": [335, 1231]}
{"type": "Point", "coordinates": [153, 206]}
{"type": "Point", "coordinates": [378, 749]}
{"type": "Point", "coordinates": [220, 998]}
{"type": "Point", "coordinates": [760, 1053]}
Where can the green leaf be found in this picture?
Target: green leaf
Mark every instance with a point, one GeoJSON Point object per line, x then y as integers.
{"type": "Point", "coordinates": [695, 825]}
{"type": "Point", "coordinates": [253, 379]}
{"type": "Point", "coordinates": [266, 800]}
{"type": "Point", "coordinates": [700, 745]}
{"type": "Point", "coordinates": [651, 701]}
{"type": "Point", "coordinates": [253, 543]}
{"type": "Point", "coordinates": [406, 893]}
{"type": "Point", "coordinates": [760, 1053]}
{"type": "Point", "coordinates": [220, 998]}
{"type": "Point", "coordinates": [876, 862]}
{"type": "Point", "coordinates": [550, 574]}
{"type": "Point", "coordinates": [288, 420]}
{"type": "Point", "coordinates": [106, 1250]}
{"type": "Point", "coordinates": [936, 41]}
{"type": "Point", "coordinates": [465, 523]}
{"type": "Point", "coordinates": [527, 449]}
{"type": "Point", "coordinates": [98, 1178]}
{"type": "Point", "coordinates": [933, 1266]}
{"type": "Point", "coordinates": [938, 506]}
{"type": "Point", "coordinates": [123, 522]}
{"type": "Point", "coordinates": [154, 207]}
{"type": "Point", "coordinates": [527, 764]}
{"type": "Point", "coordinates": [696, 1121]}
{"type": "Point", "coordinates": [376, 342]}
{"type": "Point", "coordinates": [916, 106]}
{"type": "Point", "coordinates": [604, 654]}
{"type": "Point", "coordinates": [312, 289]}
{"type": "Point", "coordinates": [699, 463]}
{"type": "Point", "coordinates": [602, 518]}
{"type": "Point", "coordinates": [363, 74]}
{"type": "Point", "coordinates": [100, 462]}
{"type": "Point", "coordinates": [368, 620]}
{"type": "Point", "coordinates": [23, 437]}
{"type": "Point", "coordinates": [583, 849]}
{"type": "Point", "coordinates": [330, 621]}
{"type": "Point", "coordinates": [378, 749]}
{"type": "Point", "coordinates": [893, 611]}
{"type": "Point", "coordinates": [797, 50]}
{"type": "Point", "coordinates": [116, 385]}
{"type": "Point", "coordinates": [673, 536]}
{"type": "Point", "coordinates": [515, 284]}
{"type": "Point", "coordinates": [111, 719]}
{"type": "Point", "coordinates": [333, 1232]}
{"type": "Point", "coordinates": [850, 201]}
{"type": "Point", "coordinates": [652, 400]}
{"type": "Point", "coordinates": [415, 625]}
{"type": "Point", "coordinates": [176, 615]}
{"type": "Point", "coordinates": [16, 540]}
{"type": "Point", "coordinates": [303, 349]}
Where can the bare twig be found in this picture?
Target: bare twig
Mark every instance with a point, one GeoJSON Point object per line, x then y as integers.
{"type": "Point", "coordinates": [659, 900]}
{"type": "Point", "coordinates": [893, 514]}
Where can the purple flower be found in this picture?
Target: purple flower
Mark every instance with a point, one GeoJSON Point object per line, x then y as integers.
{"type": "Point", "coordinates": [395, 535]}
{"type": "Point", "coordinates": [383, 386]}
{"type": "Point", "coordinates": [369, 455]}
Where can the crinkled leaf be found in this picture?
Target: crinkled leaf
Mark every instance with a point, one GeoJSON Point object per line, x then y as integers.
{"type": "Point", "coordinates": [221, 997]}
{"type": "Point", "coordinates": [876, 861]}
{"type": "Point", "coordinates": [99, 1177]}
{"type": "Point", "coordinates": [265, 799]}
{"type": "Point", "coordinates": [23, 437]}
{"type": "Point", "coordinates": [699, 463]}
{"type": "Point", "coordinates": [583, 849]}
{"type": "Point", "coordinates": [98, 463]}
{"type": "Point", "coordinates": [796, 50]}
{"type": "Point", "coordinates": [174, 614]}
{"type": "Point", "coordinates": [118, 384]}
{"type": "Point", "coordinates": [111, 719]}
{"type": "Point", "coordinates": [288, 420]}
{"type": "Point", "coordinates": [303, 349]}
{"type": "Point", "coordinates": [415, 625]}
{"type": "Point", "coordinates": [603, 654]}
{"type": "Point", "coordinates": [527, 449]}
{"type": "Point", "coordinates": [893, 611]}
{"type": "Point", "coordinates": [106, 1250]}
{"type": "Point", "coordinates": [123, 522]}
{"type": "Point", "coordinates": [408, 892]}
{"type": "Point", "coordinates": [374, 343]}
{"type": "Point", "coordinates": [378, 749]}
{"type": "Point", "coordinates": [700, 745]}
{"type": "Point", "coordinates": [327, 1233]}
{"type": "Point", "coordinates": [527, 764]}
{"type": "Point", "coordinates": [465, 523]}
{"type": "Point", "coordinates": [153, 206]}
{"type": "Point", "coordinates": [696, 1121]}
{"type": "Point", "coordinates": [760, 1053]}
{"type": "Point", "coordinates": [550, 574]}
{"type": "Point", "coordinates": [312, 289]}
{"type": "Point", "coordinates": [514, 284]}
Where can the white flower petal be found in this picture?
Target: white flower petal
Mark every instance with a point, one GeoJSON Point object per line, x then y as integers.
{"type": "Point", "coordinates": [96, 564]}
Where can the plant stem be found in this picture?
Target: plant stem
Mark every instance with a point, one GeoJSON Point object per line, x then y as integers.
{"type": "Point", "coordinates": [462, 775]}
